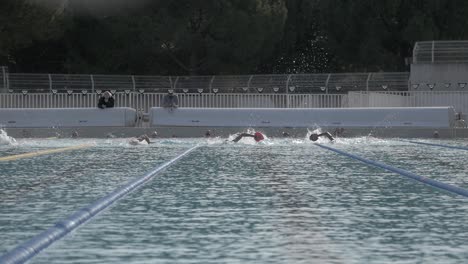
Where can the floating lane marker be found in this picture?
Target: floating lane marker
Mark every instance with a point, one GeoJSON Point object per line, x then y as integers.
{"type": "Point", "coordinates": [44, 152]}
{"type": "Point", "coordinates": [433, 183]}
{"type": "Point", "coordinates": [438, 145]}
{"type": "Point", "coordinates": [32, 247]}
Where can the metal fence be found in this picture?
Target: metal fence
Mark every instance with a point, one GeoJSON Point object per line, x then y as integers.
{"type": "Point", "coordinates": [276, 84]}
{"type": "Point", "coordinates": [143, 102]}
{"type": "Point", "coordinates": [440, 52]}
{"type": "Point", "coordinates": [447, 86]}
{"type": "Point", "coordinates": [457, 99]}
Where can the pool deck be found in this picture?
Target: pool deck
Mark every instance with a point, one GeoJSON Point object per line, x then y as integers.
{"type": "Point", "coordinates": [196, 132]}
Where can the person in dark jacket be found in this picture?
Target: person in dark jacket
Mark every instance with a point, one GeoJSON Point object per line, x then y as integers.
{"type": "Point", "coordinates": [106, 100]}
{"type": "Point", "coordinates": [170, 100]}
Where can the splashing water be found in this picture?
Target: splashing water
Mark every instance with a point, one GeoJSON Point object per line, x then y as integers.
{"type": "Point", "coordinates": [249, 140]}
{"type": "Point", "coordinates": [5, 139]}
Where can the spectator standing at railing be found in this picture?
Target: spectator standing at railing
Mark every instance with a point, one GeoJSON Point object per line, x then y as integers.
{"type": "Point", "coordinates": [106, 100]}
{"type": "Point", "coordinates": [170, 100]}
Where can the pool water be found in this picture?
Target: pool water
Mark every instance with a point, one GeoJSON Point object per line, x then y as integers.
{"type": "Point", "coordinates": [279, 201]}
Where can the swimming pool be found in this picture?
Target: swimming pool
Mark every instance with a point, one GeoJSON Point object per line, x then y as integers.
{"type": "Point", "coordinates": [280, 201]}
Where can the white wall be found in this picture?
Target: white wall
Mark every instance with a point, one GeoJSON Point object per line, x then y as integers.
{"type": "Point", "coordinates": [329, 117]}
{"type": "Point", "coordinates": [67, 117]}
{"type": "Point", "coordinates": [386, 100]}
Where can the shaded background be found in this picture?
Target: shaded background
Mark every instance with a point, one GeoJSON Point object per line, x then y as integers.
{"type": "Point", "coordinates": [205, 37]}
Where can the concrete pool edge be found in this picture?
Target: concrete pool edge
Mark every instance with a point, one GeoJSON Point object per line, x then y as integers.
{"type": "Point", "coordinates": [197, 132]}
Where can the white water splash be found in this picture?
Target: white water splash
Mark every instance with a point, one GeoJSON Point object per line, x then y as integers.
{"type": "Point", "coordinates": [250, 140]}
{"type": "Point", "coordinates": [5, 139]}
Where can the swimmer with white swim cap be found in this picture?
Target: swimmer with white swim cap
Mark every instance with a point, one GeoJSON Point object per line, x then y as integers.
{"type": "Point", "coordinates": [139, 140]}
{"type": "Point", "coordinates": [315, 137]}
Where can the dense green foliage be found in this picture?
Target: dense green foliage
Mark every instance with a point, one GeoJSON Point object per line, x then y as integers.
{"type": "Point", "coordinates": [189, 37]}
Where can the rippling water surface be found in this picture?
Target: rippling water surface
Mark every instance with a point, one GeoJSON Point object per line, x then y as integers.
{"type": "Point", "coordinates": [281, 201]}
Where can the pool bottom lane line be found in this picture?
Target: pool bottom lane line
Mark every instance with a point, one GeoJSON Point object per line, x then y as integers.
{"type": "Point", "coordinates": [27, 250]}
{"type": "Point", "coordinates": [431, 182]}
{"type": "Point", "coordinates": [437, 145]}
{"type": "Point", "coordinates": [44, 152]}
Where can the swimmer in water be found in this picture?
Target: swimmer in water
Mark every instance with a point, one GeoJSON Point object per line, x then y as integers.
{"type": "Point", "coordinates": [139, 140]}
{"type": "Point", "coordinates": [257, 136]}
{"type": "Point", "coordinates": [315, 137]}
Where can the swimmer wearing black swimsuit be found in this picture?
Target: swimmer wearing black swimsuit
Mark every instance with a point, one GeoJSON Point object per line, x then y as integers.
{"type": "Point", "coordinates": [315, 137]}
{"type": "Point", "coordinates": [257, 136]}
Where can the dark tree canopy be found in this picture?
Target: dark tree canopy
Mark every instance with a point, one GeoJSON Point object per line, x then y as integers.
{"type": "Point", "coordinates": [197, 37]}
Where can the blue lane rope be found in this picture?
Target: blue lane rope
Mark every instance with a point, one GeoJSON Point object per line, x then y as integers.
{"type": "Point", "coordinates": [438, 145]}
{"type": "Point", "coordinates": [27, 250]}
{"type": "Point", "coordinates": [433, 183]}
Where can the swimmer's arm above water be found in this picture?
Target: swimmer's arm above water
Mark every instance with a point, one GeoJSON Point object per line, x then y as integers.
{"type": "Point", "coordinates": [145, 138]}
{"type": "Point", "coordinates": [328, 135]}
{"type": "Point", "coordinates": [239, 137]}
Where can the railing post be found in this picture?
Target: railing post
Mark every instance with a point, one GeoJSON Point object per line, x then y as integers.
{"type": "Point", "coordinates": [433, 45]}
{"type": "Point", "coordinates": [50, 82]}
{"type": "Point", "coordinates": [415, 48]}
{"type": "Point", "coordinates": [4, 85]}
{"type": "Point", "coordinates": [211, 83]}
{"type": "Point", "coordinates": [326, 83]}
{"type": "Point", "coordinates": [175, 82]}
{"type": "Point", "coordinates": [287, 91]}
{"type": "Point", "coordinates": [92, 83]}
{"type": "Point", "coordinates": [7, 80]}
{"type": "Point", "coordinates": [248, 83]}
{"type": "Point", "coordinates": [287, 83]}
{"type": "Point", "coordinates": [133, 83]}
{"type": "Point", "coordinates": [367, 82]}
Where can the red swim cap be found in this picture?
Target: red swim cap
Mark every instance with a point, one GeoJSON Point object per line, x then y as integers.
{"type": "Point", "coordinates": [258, 136]}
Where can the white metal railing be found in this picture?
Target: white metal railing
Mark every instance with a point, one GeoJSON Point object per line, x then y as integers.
{"type": "Point", "coordinates": [273, 83]}
{"type": "Point", "coordinates": [457, 99]}
{"type": "Point", "coordinates": [143, 102]}
{"type": "Point", "coordinates": [440, 52]}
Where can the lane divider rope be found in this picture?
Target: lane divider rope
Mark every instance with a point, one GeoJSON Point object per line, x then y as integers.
{"type": "Point", "coordinates": [32, 247]}
{"type": "Point", "coordinates": [44, 152]}
{"type": "Point", "coordinates": [430, 182]}
{"type": "Point", "coordinates": [437, 145]}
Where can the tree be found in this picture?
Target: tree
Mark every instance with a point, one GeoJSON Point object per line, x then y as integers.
{"type": "Point", "coordinates": [179, 37]}
{"type": "Point", "coordinates": [189, 37]}
{"type": "Point", "coordinates": [303, 48]}
{"type": "Point", "coordinates": [23, 24]}
{"type": "Point", "coordinates": [366, 35]}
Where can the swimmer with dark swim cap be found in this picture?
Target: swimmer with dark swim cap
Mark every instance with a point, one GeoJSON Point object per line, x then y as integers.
{"type": "Point", "coordinates": [257, 136]}
{"type": "Point", "coordinates": [315, 137]}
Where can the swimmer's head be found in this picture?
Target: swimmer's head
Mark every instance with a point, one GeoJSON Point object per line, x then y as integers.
{"type": "Point", "coordinates": [107, 95]}
{"type": "Point", "coordinates": [314, 137]}
{"type": "Point", "coordinates": [258, 136]}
